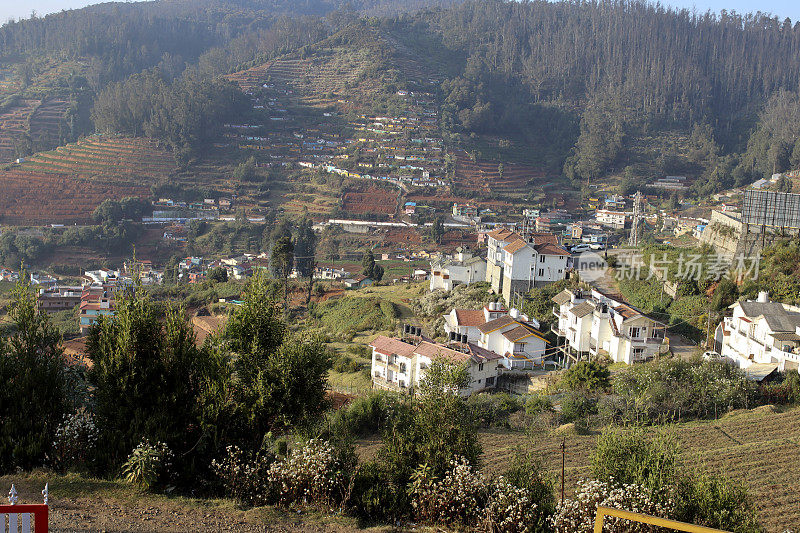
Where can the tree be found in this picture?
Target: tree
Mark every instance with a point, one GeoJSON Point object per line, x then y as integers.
{"type": "Point", "coordinates": [33, 397]}
{"type": "Point", "coordinates": [305, 247]}
{"type": "Point", "coordinates": [370, 268]}
{"type": "Point", "coordinates": [218, 275]}
{"type": "Point", "coordinates": [283, 261]}
{"type": "Point", "coordinates": [148, 378]}
{"type": "Point", "coordinates": [437, 229]}
{"type": "Point", "coordinates": [246, 171]}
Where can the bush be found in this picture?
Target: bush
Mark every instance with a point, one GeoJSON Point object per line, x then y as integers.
{"type": "Point", "coordinates": [148, 464]}
{"type": "Point", "coordinates": [577, 515]}
{"type": "Point", "coordinates": [537, 404]}
{"type": "Point", "coordinates": [577, 406]}
{"type": "Point", "coordinates": [586, 375]}
{"type": "Point", "coordinates": [716, 502]}
{"type": "Point", "coordinates": [493, 409]}
{"type": "Point", "coordinates": [75, 442]}
{"type": "Point", "coordinates": [512, 510]}
{"type": "Point", "coordinates": [365, 415]}
{"type": "Point", "coordinates": [634, 457]}
{"type": "Point", "coordinates": [313, 473]}
{"type": "Point", "coordinates": [244, 475]}
{"type": "Point", "coordinates": [376, 496]}
{"type": "Point", "coordinates": [457, 499]}
{"type": "Point", "coordinates": [346, 365]}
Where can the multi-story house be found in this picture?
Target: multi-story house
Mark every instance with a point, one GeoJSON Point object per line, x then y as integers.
{"type": "Point", "coordinates": [59, 298]}
{"type": "Point", "coordinates": [612, 219]}
{"type": "Point", "coordinates": [761, 332]}
{"type": "Point", "coordinates": [467, 321]}
{"type": "Point", "coordinates": [517, 340]}
{"type": "Point", "coordinates": [515, 264]}
{"type": "Point", "coordinates": [462, 269]}
{"type": "Point", "coordinates": [400, 364]}
{"type": "Point", "coordinates": [592, 324]}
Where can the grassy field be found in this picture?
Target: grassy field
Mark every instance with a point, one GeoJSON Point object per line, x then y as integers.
{"type": "Point", "coordinates": [759, 448]}
{"type": "Point", "coordinates": [79, 503]}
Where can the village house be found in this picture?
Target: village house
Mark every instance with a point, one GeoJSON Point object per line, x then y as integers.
{"type": "Point", "coordinates": [97, 300]}
{"type": "Point", "coordinates": [515, 264]}
{"type": "Point", "coordinates": [357, 282]}
{"type": "Point", "coordinates": [593, 324]}
{"type": "Point", "coordinates": [57, 299]}
{"type": "Point", "coordinates": [467, 321]}
{"type": "Point", "coordinates": [612, 219]}
{"type": "Point", "coordinates": [462, 268]}
{"type": "Point", "coordinates": [761, 332]}
{"type": "Point", "coordinates": [400, 364]}
{"type": "Point", "coordinates": [516, 338]}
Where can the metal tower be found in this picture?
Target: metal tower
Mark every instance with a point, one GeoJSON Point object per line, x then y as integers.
{"type": "Point", "coordinates": [637, 217]}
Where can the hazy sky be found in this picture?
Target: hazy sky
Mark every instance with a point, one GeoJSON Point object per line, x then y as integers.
{"type": "Point", "coordinates": [782, 8]}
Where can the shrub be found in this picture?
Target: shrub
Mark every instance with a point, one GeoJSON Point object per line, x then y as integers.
{"type": "Point", "coordinates": [493, 409]}
{"type": "Point", "coordinates": [577, 406]}
{"type": "Point", "coordinates": [633, 457]}
{"type": "Point", "coordinates": [537, 404]}
{"type": "Point", "coordinates": [76, 438]}
{"type": "Point", "coordinates": [511, 510]}
{"type": "Point", "coordinates": [364, 415]}
{"type": "Point", "coordinates": [312, 473]}
{"type": "Point", "coordinates": [244, 475]}
{"type": "Point", "coordinates": [457, 499]}
{"type": "Point", "coordinates": [586, 375]}
{"type": "Point", "coordinates": [716, 502]}
{"type": "Point", "coordinates": [148, 464]}
{"type": "Point", "coordinates": [577, 515]}
{"type": "Point", "coordinates": [375, 496]}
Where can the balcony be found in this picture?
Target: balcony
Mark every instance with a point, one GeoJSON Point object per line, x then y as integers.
{"type": "Point", "coordinates": [385, 384]}
{"type": "Point", "coordinates": [558, 332]}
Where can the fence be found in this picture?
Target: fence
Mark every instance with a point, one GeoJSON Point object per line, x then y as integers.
{"type": "Point", "coordinates": [19, 515]}
{"type": "Point", "coordinates": [603, 512]}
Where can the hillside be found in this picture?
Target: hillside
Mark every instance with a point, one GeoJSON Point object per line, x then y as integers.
{"type": "Point", "coordinates": [757, 448]}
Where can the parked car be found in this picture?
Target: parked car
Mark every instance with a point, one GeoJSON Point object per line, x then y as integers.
{"type": "Point", "coordinates": [580, 248]}
{"type": "Point", "coordinates": [711, 356]}
{"type": "Point", "coordinates": [597, 246]}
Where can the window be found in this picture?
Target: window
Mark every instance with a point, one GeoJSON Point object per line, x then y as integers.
{"type": "Point", "coordinates": [541, 259]}
{"type": "Point", "coordinates": [635, 332]}
{"type": "Point", "coordinates": [402, 368]}
{"type": "Point", "coordinates": [541, 272]}
{"type": "Point", "coordinates": [479, 381]}
{"type": "Point", "coordinates": [490, 381]}
{"type": "Point", "coordinates": [560, 271]}
{"type": "Point", "coordinates": [480, 367]}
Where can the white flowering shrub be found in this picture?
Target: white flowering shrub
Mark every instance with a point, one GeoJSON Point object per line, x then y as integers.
{"type": "Point", "coordinates": [244, 475]}
{"type": "Point", "coordinates": [76, 438]}
{"type": "Point", "coordinates": [148, 464]}
{"type": "Point", "coordinates": [577, 515]}
{"type": "Point", "coordinates": [458, 498]}
{"type": "Point", "coordinates": [511, 509]}
{"type": "Point", "coordinates": [311, 473]}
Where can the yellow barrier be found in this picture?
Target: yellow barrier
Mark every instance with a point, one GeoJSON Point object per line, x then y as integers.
{"type": "Point", "coordinates": [603, 512]}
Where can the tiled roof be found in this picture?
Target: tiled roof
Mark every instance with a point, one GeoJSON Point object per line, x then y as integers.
{"type": "Point", "coordinates": [544, 238]}
{"type": "Point", "coordinates": [500, 234]}
{"type": "Point", "coordinates": [550, 249]}
{"type": "Point", "coordinates": [515, 246]}
{"type": "Point", "coordinates": [390, 346]}
{"type": "Point", "coordinates": [582, 309]}
{"type": "Point", "coordinates": [518, 333]}
{"type": "Point", "coordinates": [470, 317]}
{"type": "Point", "coordinates": [432, 351]}
{"type": "Point", "coordinates": [496, 324]}
{"type": "Point", "coordinates": [562, 297]}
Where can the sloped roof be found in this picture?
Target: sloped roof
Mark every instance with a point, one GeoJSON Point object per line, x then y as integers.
{"type": "Point", "coordinates": [544, 238]}
{"type": "Point", "coordinates": [518, 333]}
{"type": "Point", "coordinates": [390, 346]}
{"type": "Point", "coordinates": [582, 309]}
{"type": "Point", "coordinates": [515, 246]}
{"type": "Point", "coordinates": [496, 324]}
{"type": "Point", "coordinates": [432, 351]}
{"type": "Point", "coordinates": [778, 317]}
{"type": "Point", "coordinates": [786, 336]}
{"type": "Point", "coordinates": [562, 297]}
{"type": "Point", "coordinates": [500, 234]}
{"type": "Point", "coordinates": [550, 249]}
{"type": "Point", "coordinates": [470, 317]}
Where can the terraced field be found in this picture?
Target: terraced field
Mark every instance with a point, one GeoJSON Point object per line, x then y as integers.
{"type": "Point", "coordinates": [484, 176]}
{"type": "Point", "coordinates": [759, 448]}
{"type": "Point", "coordinates": [106, 158]}
{"type": "Point", "coordinates": [14, 127]}
{"type": "Point", "coordinates": [46, 122]}
{"type": "Point", "coordinates": [67, 184]}
{"type": "Point", "coordinates": [371, 200]}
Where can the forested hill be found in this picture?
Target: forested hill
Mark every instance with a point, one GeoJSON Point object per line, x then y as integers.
{"type": "Point", "coordinates": [599, 87]}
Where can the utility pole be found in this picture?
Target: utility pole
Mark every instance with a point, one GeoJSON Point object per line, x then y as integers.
{"type": "Point", "coordinates": [563, 465]}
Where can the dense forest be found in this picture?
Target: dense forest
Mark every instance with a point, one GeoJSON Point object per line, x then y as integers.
{"type": "Point", "coordinates": [586, 83]}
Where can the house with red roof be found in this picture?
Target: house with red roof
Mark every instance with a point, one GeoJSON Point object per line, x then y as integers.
{"type": "Point", "coordinates": [399, 364]}
{"type": "Point", "coordinates": [516, 263]}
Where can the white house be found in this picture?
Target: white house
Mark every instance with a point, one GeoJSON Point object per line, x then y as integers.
{"type": "Point", "coordinates": [515, 264]}
{"type": "Point", "coordinates": [400, 364]}
{"type": "Point", "coordinates": [519, 343]}
{"type": "Point", "coordinates": [467, 321]}
{"type": "Point", "coordinates": [462, 268]}
{"type": "Point", "coordinates": [594, 324]}
{"type": "Point", "coordinates": [761, 332]}
{"type": "Point", "coordinates": [612, 219]}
